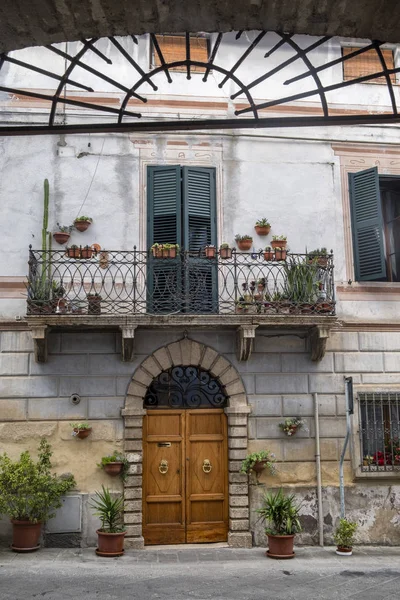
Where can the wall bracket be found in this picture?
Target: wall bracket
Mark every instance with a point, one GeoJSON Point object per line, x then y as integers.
{"type": "Point", "coordinates": [318, 336]}
{"type": "Point", "coordinates": [245, 335]}
{"type": "Point", "coordinates": [127, 342]}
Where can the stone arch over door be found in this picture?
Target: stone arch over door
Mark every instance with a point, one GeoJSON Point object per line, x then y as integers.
{"type": "Point", "coordinates": [187, 352]}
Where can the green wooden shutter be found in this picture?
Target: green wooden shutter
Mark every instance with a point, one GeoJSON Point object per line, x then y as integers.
{"type": "Point", "coordinates": [367, 225]}
{"type": "Point", "coordinates": [199, 230]}
{"type": "Point", "coordinates": [164, 226]}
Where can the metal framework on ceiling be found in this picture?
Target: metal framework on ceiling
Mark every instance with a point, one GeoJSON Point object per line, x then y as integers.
{"type": "Point", "coordinates": [249, 115]}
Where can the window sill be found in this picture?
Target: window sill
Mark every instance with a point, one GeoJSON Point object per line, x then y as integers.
{"type": "Point", "coordinates": [360, 475]}
{"type": "Point", "coordinates": [369, 290]}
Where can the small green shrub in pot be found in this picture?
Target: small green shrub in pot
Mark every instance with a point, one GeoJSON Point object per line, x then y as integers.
{"type": "Point", "coordinates": [112, 531]}
{"type": "Point", "coordinates": [344, 537]}
{"type": "Point", "coordinates": [30, 493]}
{"type": "Point", "coordinates": [258, 461]}
{"type": "Point", "coordinates": [115, 464]}
{"type": "Point", "coordinates": [281, 515]}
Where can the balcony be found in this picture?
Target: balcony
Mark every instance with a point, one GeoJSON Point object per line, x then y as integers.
{"type": "Point", "coordinates": [82, 287]}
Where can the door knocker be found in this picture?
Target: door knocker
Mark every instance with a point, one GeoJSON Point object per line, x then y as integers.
{"type": "Point", "coordinates": [207, 466]}
{"type": "Point", "coordinates": [163, 467]}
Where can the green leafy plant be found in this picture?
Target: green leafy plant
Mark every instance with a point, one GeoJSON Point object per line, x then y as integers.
{"type": "Point", "coordinates": [301, 281]}
{"type": "Point", "coordinates": [224, 245]}
{"type": "Point", "coordinates": [240, 238]}
{"type": "Point", "coordinates": [263, 223]}
{"type": "Point", "coordinates": [281, 513]}
{"type": "Point", "coordinates": [317, 252]}
{"type": "Point", "coordinates": [264, 456]}
{"type": "Point", "coordinates": [290, 426]}
{"type": "Point", "coordinates": [28, 489]}
{"type": "Point", "coordinates": [279, 238]}
{"type": "Point", "coordinates": [116, 456]}
{"type": "Point", "coordinates": [109, 510]}
{"type": "Point", "coordinates": [345, 532]}
{"type": "Point", "coordinates": [84, 218]}
{"type": "Point", "coordinates": [79, 427]}
{"type": "Point", "coordinates": [64, 228]}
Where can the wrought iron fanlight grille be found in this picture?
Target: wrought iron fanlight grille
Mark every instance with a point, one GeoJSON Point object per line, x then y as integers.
{"type": "Point", "coordinates": [185, 387]}
{"type": "Point", "coordinates": [246, 85]}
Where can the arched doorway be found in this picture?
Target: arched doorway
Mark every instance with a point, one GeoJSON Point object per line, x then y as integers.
{"type": "Point", "coordinates": [226, 398]}
{"type": "Point", "coordinates": [185, 458]}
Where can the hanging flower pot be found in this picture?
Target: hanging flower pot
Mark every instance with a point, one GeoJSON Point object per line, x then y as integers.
{"type": "Point", "coordinates": [86, 252]}
{"type": "Point", "coordinates": [113, 468]}
{"type": "Point", "coordinates": [82, 223]}
{"type": "Point", "coordinates": [225, 252]}
{"type": "Point", "coordinates": [74, 252]}
{"type": "Point", "coordinates": [157, 250]}
{"type": "Point", "coordinates": [81, 430]}
{"type": "Point", "coordinates": [279, 241]}
{"type": "Point", "coordinates": [61, 237]}
{"type": "Point", "coordinates": [244, 242]}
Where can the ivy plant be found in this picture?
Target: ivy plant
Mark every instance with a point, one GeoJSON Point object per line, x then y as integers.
{"type": "Point", "coordinates": [264, 456]}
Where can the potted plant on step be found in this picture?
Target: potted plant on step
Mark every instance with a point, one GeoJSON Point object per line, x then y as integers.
{"type": "Point", "coordinates": [262, 227]}
{"type": "Point", "coordinates": [115, 464]}
{"type": "Point", "coordinates": [344, 537]}
{"type": "Point", "coordinates": [225, 251]}
{"type": "Point", "coordinates": [112, 531]}
{"type": "Point", "coordinates": [62, 234]}
{"type": "Point", "coordinates": [257, 462]}
{"type": "Point", "coordinates": [82, 223]}
{"type": "Point", "coordinates": [281, 514]}
{"type": "Point", "coordinates": [29, 494]}
{"type": "Point", "coordinates": [244, 242]}
{"type": "Point", "coordinates": [81, 430]}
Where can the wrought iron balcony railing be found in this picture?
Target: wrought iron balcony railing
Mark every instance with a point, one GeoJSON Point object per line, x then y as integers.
{"type": "Point", "coordinates": [82, 281]}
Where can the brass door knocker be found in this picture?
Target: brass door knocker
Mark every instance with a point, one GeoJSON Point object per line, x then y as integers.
{"type": "Point", "coordinates": [163, 467]}
{"type": "Point", "coordinates": [207, 466]}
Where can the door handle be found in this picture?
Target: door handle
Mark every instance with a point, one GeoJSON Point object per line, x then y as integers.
{"type": "Point", "coordinates": [207, 466]}
{"type": "Point", "coordinates": [163, 467]}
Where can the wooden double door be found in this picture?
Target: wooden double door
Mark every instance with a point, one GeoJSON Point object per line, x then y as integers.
{"type": "Point", "coordinates": [185, 482]}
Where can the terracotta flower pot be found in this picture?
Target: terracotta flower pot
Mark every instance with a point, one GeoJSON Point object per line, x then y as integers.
{"type": "Point", "coordinates": [157, 252]}
{"type": "Point", "coordinates": [225, 253]}
{"type": "Point", "coordinates": [25, 536]}
{"type": "Point", "coordinates": [280, 254]}
{"type": "Point", "coordinates": [324, 307]}
{"type": "Point", "coordinates": [268, 256]}
{"type": "Point", "coordinates": [82, 225]}
{"type": "Point", "coordinates": [278, 243]}
{"type": "Point", "coordinates": [61, 237]}
{"type": "Point", "coordinates": [262, 230]}
{"type": "Point", "coordinates": [113, 468]}
{"type": "Point", "coordinates": [210, 251]}
{"type": "Point", "coordinates": [82, 433]}
{"type": "Point", "coordinates": [280, 546]}
{"type": "Point", "coordinates": [245, 245]}
{"type": "Point", "coordinates": [110, 544]}
{"type": "Point", "coordinates": [86, 252]}
{"type": "Point", "coordinates": [73, 252]}
{"type": "Point", "coordinates": [259, 466]}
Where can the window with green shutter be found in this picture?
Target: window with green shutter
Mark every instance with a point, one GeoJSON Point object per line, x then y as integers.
{"type": "Point", "coordinates": [181, 209]}
{"type": "Point", "coordinates": [375, 217]}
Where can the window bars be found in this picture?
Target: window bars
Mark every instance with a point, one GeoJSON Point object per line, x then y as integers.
{"type": "Point", "coordinates": [242, 69]}
{"type": "Point", "coordinates": [380, 431]}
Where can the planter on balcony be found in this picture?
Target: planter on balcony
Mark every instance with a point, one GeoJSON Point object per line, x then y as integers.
{"type": "Point", "coordinates": [244, 242]}
{"type": "Point", "coordinates": [279, 243]}
{"type": "Point", "coordinates": [210, 251]}
{"type": "Point", "coordinates": [225, 252]}
{"type": "Point", "coordinates": [280, 253]}
{"type": "Point", "coordinates": [73, 252]}
{"type": "Point", "coordinates": [268, 254]}
{"type": "Point", "coordinates": [87, 252]}
{"type": "Point", "coordinates": [61, 237]}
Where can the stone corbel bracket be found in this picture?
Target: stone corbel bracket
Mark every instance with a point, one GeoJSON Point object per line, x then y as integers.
{"type": "Point", "coordinates": [318, 336]}
{"type": "Point", "coordinates": [245, 335]}
{"type": "Point", "coordinates": [39, 336]}
{"type": "Point", "coordinates": [127, 342]}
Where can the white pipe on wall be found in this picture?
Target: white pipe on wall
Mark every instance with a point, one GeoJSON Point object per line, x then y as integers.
{"type": "Point", "coordinates": [318, 468]}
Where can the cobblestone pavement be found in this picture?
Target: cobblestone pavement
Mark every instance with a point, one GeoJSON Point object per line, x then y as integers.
{"type": "Point", "coordinates": [201, 573]}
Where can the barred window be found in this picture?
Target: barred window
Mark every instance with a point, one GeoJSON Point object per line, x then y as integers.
{"type": "Point", "coordinates": [380, 431]}
{"type": "Point", "coordinates": [173, 48]}
{"type": "Point", "coordinates": [367, 63]}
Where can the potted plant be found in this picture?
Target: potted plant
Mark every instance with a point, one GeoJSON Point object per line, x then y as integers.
{"type": "Point", "coordinates": [210, 251]}
{"type": "Point", "coordinates": [268, 253]}
{"type": "Point", "coordinates": [281, 514]}
{"type": "Point", "coordinates": [81, 430]}
{"type": "Point", "coordinates": [280, 253]}
{"type": "Point", "coordinates": [94, 303]}
{"type": "Point", "coordinates": [290, 426]}
{"type": "Point", "coordinates": [156, 250]}
{"type": "Point", "coordinates": [261, 284]}
{"type": "Point", "coordinates": [40, 296]}
{"type": "Point", "coordinates": [87, 252]}
{"type": "Point", "coordinates": [262, 227]}
{"type": "Point", "coordinates": [168, 250]}
{"type": "Point", "coordinates": [115, 464]}
{"type": "Point", "coordinates": [279, 241]}
{"type": "Point", "coordinates": [62, 234]}
{"type": "Point", "coordinates": [319, 256]}
{"type": "Point", "coordinates": [244, 242]}
{"type": "Point", "coordinates": [74, 251]}
{"type": "Point", "coordinates": [29, 493]}
{"type": "Point", "coordinates": [344, 537]}
{"type": "Point", "coordinates": [82, 223]}
{"type": "Point", "coordinates": [241, 307]}
{"type": "Point", "coordinates": [258, 461]}
{"type": "Point", "coordinates": [225, 251]}
{"type": "Point", "coordinates": [111, 534]}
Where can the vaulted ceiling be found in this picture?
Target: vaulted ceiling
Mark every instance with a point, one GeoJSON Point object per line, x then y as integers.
{"type": "Point", "coordinates": [38, 22]}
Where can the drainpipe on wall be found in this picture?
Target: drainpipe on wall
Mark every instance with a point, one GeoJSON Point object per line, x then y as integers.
{"type": "Point", "coordinates": [318, 467]}
{"type": "Point", "coordinates": [348, 386]}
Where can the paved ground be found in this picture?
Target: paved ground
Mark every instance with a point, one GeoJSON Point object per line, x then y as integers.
{"type": "Point", "coordinates": [200, 573]}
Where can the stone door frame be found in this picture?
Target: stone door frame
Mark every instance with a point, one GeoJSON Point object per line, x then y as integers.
{"type": "Point", "coordinates": [187, 352]}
